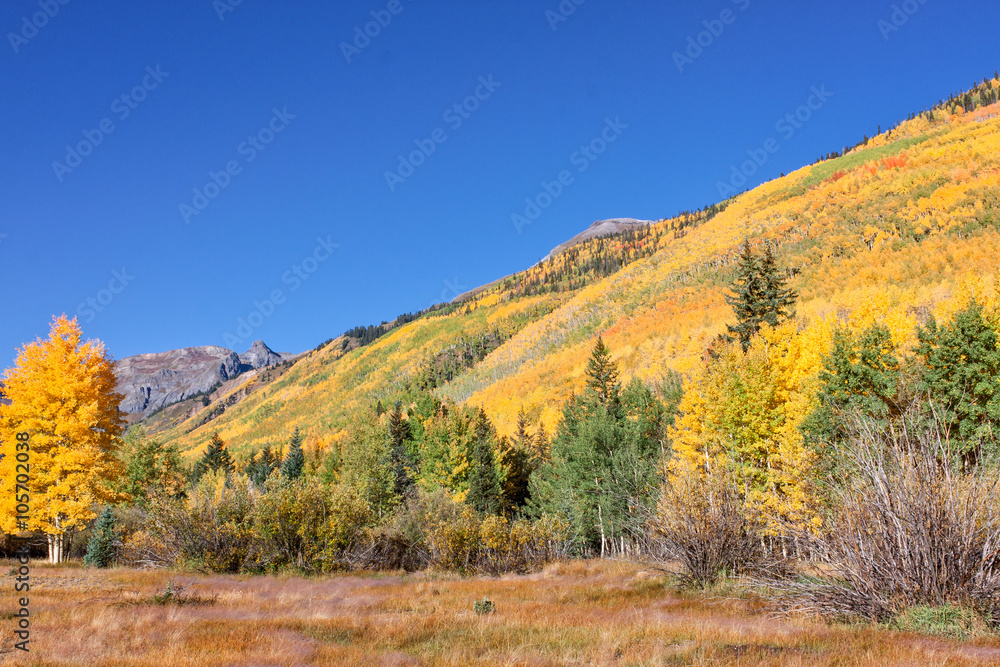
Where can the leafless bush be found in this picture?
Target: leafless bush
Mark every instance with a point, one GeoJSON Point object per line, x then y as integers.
{"type": "Point", "coordinates": [907, 527]}
{"type": "Point", "coordinates": [703, 522]}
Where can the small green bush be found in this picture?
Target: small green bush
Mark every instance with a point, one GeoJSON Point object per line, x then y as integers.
{"type": "Point", "coordinates": [946, 620]}
{"type": "Point", "coordinates": [483, 606]}
{"type": "Point", "coordinates": [102, 549]}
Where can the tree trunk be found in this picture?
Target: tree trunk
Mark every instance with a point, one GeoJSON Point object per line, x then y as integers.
{"type": "Point", "coordinates": [600, 520]}
{"type": "Point", "coordinates": [57, 544]}
{"type": "Point", "coordinates": [56, 549]}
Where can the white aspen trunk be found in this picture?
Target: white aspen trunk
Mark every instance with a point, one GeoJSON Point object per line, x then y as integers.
{"type": "Point", "coordinates": [600, 521]}
{"type": "Point", "coordinates": [56, 544]}
{"type": "Point", "coordinates": [56, 555]}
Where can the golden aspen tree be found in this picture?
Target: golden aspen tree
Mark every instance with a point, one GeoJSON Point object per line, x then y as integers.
{"type": "Point", "coordinates": [743, 413]}
{"type": "Point", "coordinates": [62, 393]}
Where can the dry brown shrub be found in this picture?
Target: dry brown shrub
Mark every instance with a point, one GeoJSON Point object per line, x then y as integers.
{"type": "Point", "coordinates": [703, 522]}
{"type": "Point", "coordinates": [909, 526]}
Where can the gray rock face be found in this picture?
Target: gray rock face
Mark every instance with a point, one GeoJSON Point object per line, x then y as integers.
{"type": "Point", "coordinates": [151, 381]}
{"type": "Point", "coordinates": [260, 356]}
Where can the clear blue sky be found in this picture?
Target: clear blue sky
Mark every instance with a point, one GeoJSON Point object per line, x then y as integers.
{"type": "Point", "coordinates": [443, 228]}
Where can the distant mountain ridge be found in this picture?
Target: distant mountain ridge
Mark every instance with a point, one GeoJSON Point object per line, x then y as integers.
{"type": "Point", "coordinates": [601, 228]}
{"type": "Point", "coordinates": [595, 230]}
{"type": "Point", "coordinates": [152, 381]}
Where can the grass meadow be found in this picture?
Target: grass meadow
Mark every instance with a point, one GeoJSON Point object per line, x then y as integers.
{"type": "Point", "coordinates": [573, 613]}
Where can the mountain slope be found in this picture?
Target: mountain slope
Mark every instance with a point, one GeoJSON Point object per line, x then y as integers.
{"type": "Point", "coordinates": [153, 381]}
{"type": "Point", "coordinates": [895, 226]}
{"type": "Point", "coordinates": [601, 228]}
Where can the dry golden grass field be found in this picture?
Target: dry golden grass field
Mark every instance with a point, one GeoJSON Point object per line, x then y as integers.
{"type": "Point", "coordinates": [578, 613]}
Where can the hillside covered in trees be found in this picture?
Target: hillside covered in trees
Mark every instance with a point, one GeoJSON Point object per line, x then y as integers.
{"type": "Point", "coordinates": [810, 368]}
{"type": "Point", "coordinates": [890, 231]}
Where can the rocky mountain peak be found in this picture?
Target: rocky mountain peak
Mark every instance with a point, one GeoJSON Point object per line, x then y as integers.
{"type": "Point", "coordinates": [260, 355]}
{"type": "Point", "coordinates": [151, 381]}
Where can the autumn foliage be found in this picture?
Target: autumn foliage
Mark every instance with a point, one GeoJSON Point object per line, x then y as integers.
{"type": "Point", "coordinates": [62, 393]}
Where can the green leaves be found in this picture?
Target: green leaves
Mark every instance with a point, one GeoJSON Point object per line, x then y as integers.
{"type": "Point", "coordinates": [961, 367]}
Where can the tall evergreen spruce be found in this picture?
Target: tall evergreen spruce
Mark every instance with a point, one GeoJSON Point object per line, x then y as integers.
{"type": "Point", "coordinates": [602, 374]}
{"type": "Point", "coordinates": [262, 465]}
{"type": "Point", "coordinates": [400, 460]}
{"type": "Point", "coordinates": [294, 463]}
{"type": "Point", "coordinates": [216, 458]}
{"type": "Point", "coordinates": [101, 548]}
{"type": "Point", "coordinates": [779, 301]}
{"type": "Point", "coordinates": [746, 298]}
{"type": "Point", "coordinates": [484, 483]}
{"type": "Point", "coordinates": [522, 436]}
{"type": "Point", "coordinates": [600, 473]}
{"type": "Point", "coordinates": [759, 295]}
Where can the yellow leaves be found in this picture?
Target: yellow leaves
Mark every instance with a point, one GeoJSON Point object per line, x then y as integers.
{"type": "Point", "coordinates": [63, 395]}
{"type": "Point", "coordinates": [745, 410]}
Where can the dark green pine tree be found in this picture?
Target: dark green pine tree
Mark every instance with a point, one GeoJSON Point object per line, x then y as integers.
{"type": "Point", "coordinates": [294, 463]}
{"type": "Point", "coordinates": [962, 376]}
{"type": "Point", "coordinates": [400, 460]}
{"type": "Point", "coordinates": [778, 301]}
{"type": "Point", "coordinates": [103, 544]}
{"type": "Point", "coordinates": [484, 483]}
{"type": "Point", "coordinates": [262, 465]}
{"type": "Point", "coordinates": [758, 295]}
{"type": "Point", "coordinates": [602, 375]}
{"type": "Point", "coordinates": [860, 378]}
{"type": "Point", "coordinates": [747, 298]}
{"type": "Point", "coordinates": [216, 458]}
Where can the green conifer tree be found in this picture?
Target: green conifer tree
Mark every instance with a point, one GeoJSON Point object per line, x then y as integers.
{"type": "Point", "coordinates": [484, 483]}
{"type": "Point", "coordinates": [262, 465]}
{"type": "Point", "coordinates": [102, 548]}
{"type": "Point", "coordinates": [294, 463]}
{"type": "Point", "coordinates": [860, 378]}
{"type": "Point", "coordinates": [778, 301]}
{"type": "Point", "coordinates": [962, 376]}
{"type": "Point", "coordinates": [216, 458]}
{"type": "Point", "coordinates": [400, 458]}
{"type": "Point", "coordinates": [759, 295]}
{"type": "Point", "coordinates": [602, 374]}
{"type": "Point", "coordinates": [747, 298]}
